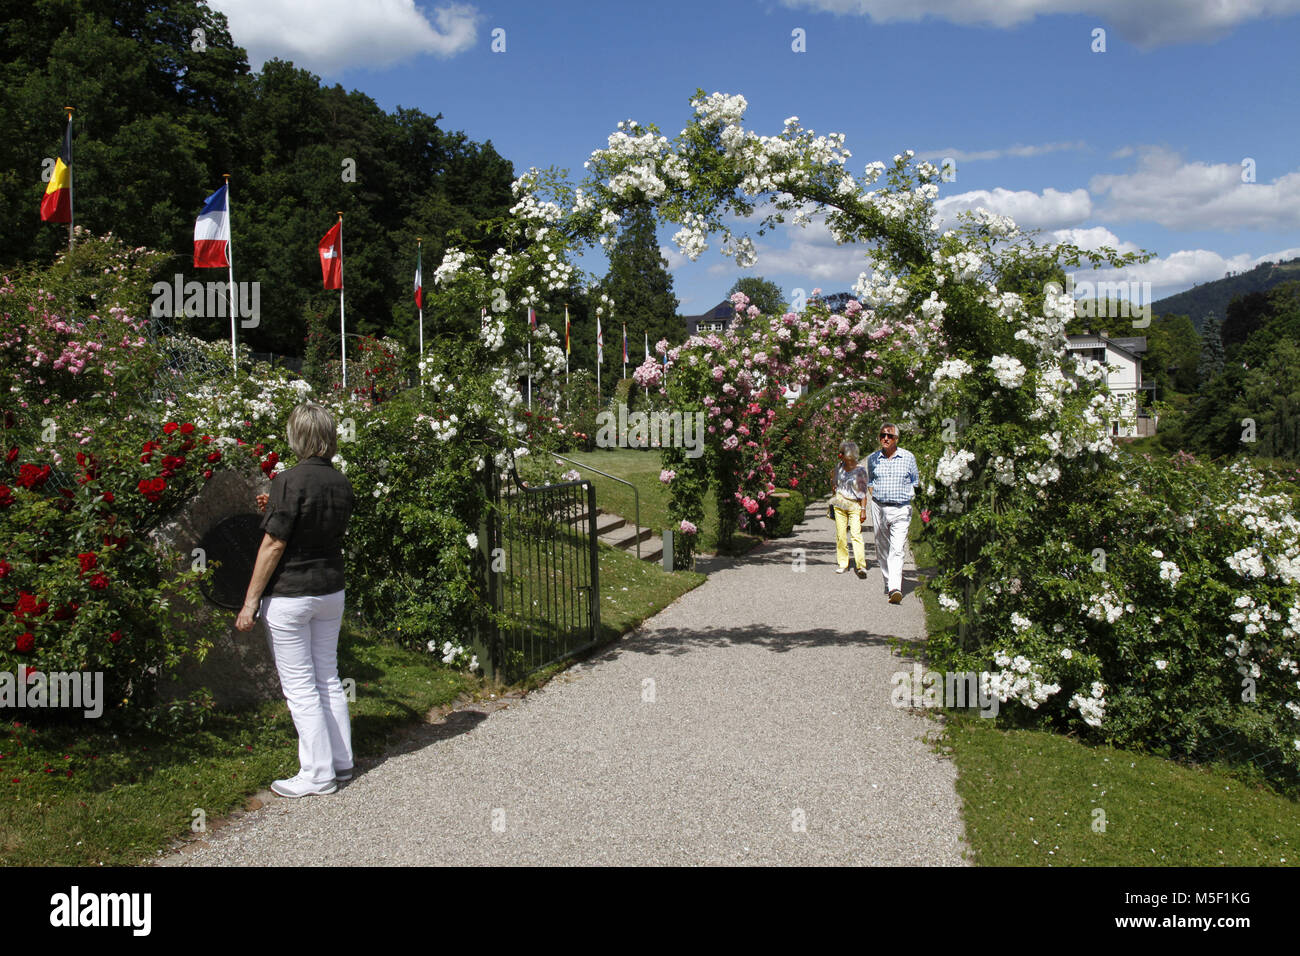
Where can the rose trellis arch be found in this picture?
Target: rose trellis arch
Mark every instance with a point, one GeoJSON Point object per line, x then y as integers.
{"type": "Point", "coordinates": [958, 327]}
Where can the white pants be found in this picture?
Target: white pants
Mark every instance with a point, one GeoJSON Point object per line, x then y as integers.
{"type": "Point", "coordinates": [305, 640]}
{"type": "Point", "coordinates": [891, 523]}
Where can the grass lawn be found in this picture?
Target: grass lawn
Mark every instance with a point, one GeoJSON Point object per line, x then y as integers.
{"type": "Point", "coordinates": [632, 590]}
{"type": "Point", "coordinates": [114, 796]}
{"type": "Point", "coordinates": [1032, 798]}
{"type": "Point", "coordinates": [642, 469]}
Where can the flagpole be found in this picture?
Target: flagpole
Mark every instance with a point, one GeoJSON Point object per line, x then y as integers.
{"type": "Point", "coordinates": [72, 214]}
{"type": "Point", "coordinates": [230, 262]}
{"type": "Point", "coordinates": [625, 350]}
{"type": "Point", "coordinates": [420, 305]}
{"type": "Point", "coordinates": [529, 326]}
{"type": "Point", "coordinates": [647, 358]}
{"type": "Point", "coordinates": [343, 335]}
{"type": "Point", "coordinates": [566, 361]}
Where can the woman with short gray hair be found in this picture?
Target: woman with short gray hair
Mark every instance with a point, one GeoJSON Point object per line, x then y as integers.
{"type": "Point", "coordinates": [298, 584]}
{"type": "Point", "coordinates": [849, 504]}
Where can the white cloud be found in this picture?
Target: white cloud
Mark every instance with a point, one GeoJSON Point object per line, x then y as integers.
{"type": "Point", "coordinates": [675, 259]}
{"type": "Point", "coordinates": [1049, 209]}
{"type": "Point", "coordinates": [1180, 270]}
{"type": "Point", "coordinates": [1093, 238]}
{"type": "Point", "coordinates": [1148, 23]}
{"type": "Point", "coordinates": [1181, 195]}
{"type": "Point", "coordinates": [331, 35]}
{"type": "Point", "coordinates": [1018, 151]}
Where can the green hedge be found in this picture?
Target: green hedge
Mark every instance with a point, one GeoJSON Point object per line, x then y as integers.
{"type": "Point", "coordinates": [789, 512]}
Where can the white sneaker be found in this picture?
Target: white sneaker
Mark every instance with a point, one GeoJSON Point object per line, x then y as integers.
{"type": "Point", "coordinates": [840, 570]}
{"type": "Point", "coordinates": [300, 787]}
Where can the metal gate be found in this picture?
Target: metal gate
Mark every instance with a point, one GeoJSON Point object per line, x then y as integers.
{"type": "Point", "coordinates": [541, 574]}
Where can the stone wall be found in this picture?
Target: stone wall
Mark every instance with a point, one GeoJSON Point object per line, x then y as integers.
{"type": "Point", "coordinates": [239, 670]}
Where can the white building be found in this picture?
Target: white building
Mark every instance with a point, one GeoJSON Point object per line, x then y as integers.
{"type": "Point", "coordinates": [1123, 358]}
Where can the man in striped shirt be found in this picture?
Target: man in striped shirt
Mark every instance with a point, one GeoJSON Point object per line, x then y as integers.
{"type": "Point", "coordinates": [892, 477]}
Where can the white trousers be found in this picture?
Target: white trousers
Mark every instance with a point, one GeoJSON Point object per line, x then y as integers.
{"type": "Point", "coordinates": [305, 640]}
{"type": "Point", "coordinates": [891, 523]}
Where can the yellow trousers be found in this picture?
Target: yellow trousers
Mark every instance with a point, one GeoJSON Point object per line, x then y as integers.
{"type": "Point", "coordinates": [849, 524]}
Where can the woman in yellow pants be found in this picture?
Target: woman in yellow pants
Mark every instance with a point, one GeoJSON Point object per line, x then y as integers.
{"type": "Point", "coordinates": [849, 481]}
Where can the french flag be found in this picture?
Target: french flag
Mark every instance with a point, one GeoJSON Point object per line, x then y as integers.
{"type": "Point", "coordinates": [212, 231]}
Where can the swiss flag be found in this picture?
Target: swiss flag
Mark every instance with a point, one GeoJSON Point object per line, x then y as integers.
{"type": "Point", "coordinates": [419, 287]}
{"type": "Point", "coordinates": [331, 257]}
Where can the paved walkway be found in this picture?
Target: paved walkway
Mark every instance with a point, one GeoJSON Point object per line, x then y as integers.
{"type": "Point", "coordinates": [747, 723]}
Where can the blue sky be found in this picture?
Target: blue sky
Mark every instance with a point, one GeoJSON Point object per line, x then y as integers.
{"type": "Point", "coordinates": [1139, 146]}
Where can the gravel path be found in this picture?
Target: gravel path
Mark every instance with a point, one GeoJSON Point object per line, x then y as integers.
{"type": "Point", "coordinates": [747, 723]}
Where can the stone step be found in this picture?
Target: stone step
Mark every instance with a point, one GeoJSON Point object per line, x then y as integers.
{"type": "Point", "coordinates": [619, 532]}
{"type": "Point", "coordinates": [605, 523]}
{"type": "Point", "coordinates": [626, 537]}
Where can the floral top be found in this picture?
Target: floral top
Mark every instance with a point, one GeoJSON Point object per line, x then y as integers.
{"type": "Point", "coordinates": [850, 485]}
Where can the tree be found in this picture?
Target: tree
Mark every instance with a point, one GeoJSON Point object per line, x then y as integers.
{"type": "Point", "coordinates": [1173, 354]}
{"type": "Point", "coordinates": [1211, 362]}
{"type": "Point", "coordinates": [767, 296]}
{"type": "Point", "coordinates": [642, 290]}
{"type": "Point", "coordinates": [165, 103]}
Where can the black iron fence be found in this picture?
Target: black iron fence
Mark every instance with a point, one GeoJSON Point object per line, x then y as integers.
{"type": "Point", "coordinates": [540, 567]}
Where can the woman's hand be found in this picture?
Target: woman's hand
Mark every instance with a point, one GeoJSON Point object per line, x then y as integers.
{"type": "Point", "coordinates": [262, 501]}
{"type": "Point", "coordinates": [245, 620]}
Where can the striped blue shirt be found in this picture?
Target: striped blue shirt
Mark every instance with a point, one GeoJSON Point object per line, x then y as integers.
{"type": "Point", "coordinates": [892, 479]}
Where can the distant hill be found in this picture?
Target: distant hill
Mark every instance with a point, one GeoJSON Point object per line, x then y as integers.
{"type": "Point", "coordinates": [1199, 301]}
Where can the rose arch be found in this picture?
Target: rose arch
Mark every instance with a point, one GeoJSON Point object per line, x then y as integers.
{"type": "Point", "coordinates": [959, 333]}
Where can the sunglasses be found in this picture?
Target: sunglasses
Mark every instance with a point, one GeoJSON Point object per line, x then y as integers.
{"type": "Point", "coordinates": [887, 435]}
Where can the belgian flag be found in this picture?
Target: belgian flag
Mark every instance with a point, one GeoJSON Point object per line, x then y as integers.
{"type": "Point", "coordinates": [56, 204]}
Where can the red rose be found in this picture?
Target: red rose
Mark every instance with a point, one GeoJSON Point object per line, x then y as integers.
{"type": "Point", "coordinates": [99, 582]}
{"type": "Point", "coordinates": [67, 612]}
{"type": "Point", "coordinates": [273, 458]}
{"type": "Point", "coordinates": [30, 476]}
{"type": "Point", "coordinates": [187, 428]}
{"type": "Point", "coordinates": [115, 637]}
{"type": "Point", "coordinates": [108, 498]}
{"type": "Point", "coordinates": [5, 568]}
{"type": "Point", "coordinates": [187, 444]}
{"type": "Point", "coordinates": [25, 643]}
{"type": "Point", "coordinates": [28, 606]}
{"type": "Point", "coordinates": [207, 474]}
{"type": "Point", "coordinates": [152, 489]}
{"type": "Point", "coordinates": [214, 456]}
{"type": "Point", "coordinates": [170, 427]}
{"type": "Point", "coordinates": [12, 456]}
{"type": "Point", "coordinates": [6, 496]}
{"type": "Point", "coordinates": [88, 561]}
{"type": "Point", "coordinates": [112, 542]}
